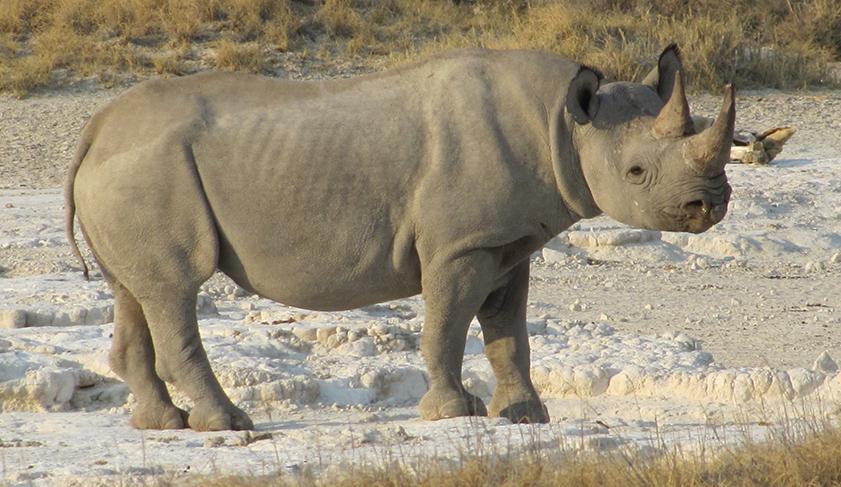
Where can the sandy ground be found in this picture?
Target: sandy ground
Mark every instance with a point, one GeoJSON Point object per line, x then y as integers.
{"type": "Point", "coordinates": [695, 324]}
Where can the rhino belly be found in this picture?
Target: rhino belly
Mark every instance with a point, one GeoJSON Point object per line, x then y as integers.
{"type": "Point", "coordinates": [325, 274]}
{"type": "Point", "coordinates": [322, 248]}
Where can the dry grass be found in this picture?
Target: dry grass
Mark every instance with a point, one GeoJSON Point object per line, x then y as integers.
{"type": "Point", "coordinates": [232, 56]}
{"type": "Point", "coordinates": [775, 43]}
{"type": "Point", "coordinates": [812, 459]}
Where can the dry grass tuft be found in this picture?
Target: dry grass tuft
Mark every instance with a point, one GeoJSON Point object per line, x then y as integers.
{"type": "Point", "coordinates": [232, 56]}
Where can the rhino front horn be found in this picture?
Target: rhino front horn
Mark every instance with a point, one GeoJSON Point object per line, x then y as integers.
{"type": "Point", "coordinates": [710, 150]}
{"type": "Point", "coordinates": [674, 119]}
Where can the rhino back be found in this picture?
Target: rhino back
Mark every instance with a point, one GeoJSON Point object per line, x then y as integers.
{"type": "Point", "coordinates": [335, 194]}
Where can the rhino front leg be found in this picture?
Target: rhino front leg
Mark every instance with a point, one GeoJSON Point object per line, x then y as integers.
{"type": "Point", "coordinates": [503, 320]}
{"type": "Point", "coordinates": [452, 292]}
{"type": "Point", "coordinates": [182, 361]}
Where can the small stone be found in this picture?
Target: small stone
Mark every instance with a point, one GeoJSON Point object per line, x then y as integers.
{"type": "Point", "coordinates": [12, 318]}
{"type": "Point", "coordinates": [356, 334]}
{"type": "Point", "coordinates": [62, 318]}
{"type": "Point", "coordinates": [322, 334]}
{"type": "Point", "coordinates": [378, 329]}
{"type": "Point", "coordinates": [825, 364]}
{"type": "Point", "coordinates": [39, 317]}
{"type": "Point", "coordinates": [307, 334]}
{"type": "Point", "coordinates": [214, 441]}
{"type": "Point", "coordinates": [332, 341]}
{"type": "Point", "coordinates": [836, 258]}
{"type": "Point", "coordinates": [649, 307]}
{"type": "Point", "coordinates": [77, 316]}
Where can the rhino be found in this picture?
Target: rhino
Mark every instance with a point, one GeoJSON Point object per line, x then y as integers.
{"type": "Point", "coordinates": [438, 178]}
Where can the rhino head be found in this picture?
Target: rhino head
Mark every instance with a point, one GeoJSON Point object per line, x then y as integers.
{"type": "Point", "coordinates": [643, 162]}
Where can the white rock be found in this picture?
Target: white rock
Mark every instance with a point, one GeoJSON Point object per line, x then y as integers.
{"type": "Point", "coordinates": [39, 317]}
{"type": "Point", "coordinates": [32, 382]}
{"type": "Point", "coordinates": [12, 318]}
{"type": "Point", "coordinates": [364, 347]}
{"type": "Point", "coordinates": [77, 316]}
{"type": "Point", "coordinates": [553, 256]}
{"type": "Point", "coordinates": [99, 315]}
{"type": "Point", "coordinates": [322, 334]}
{"type": "Point", "coordinates": [306, 333]}
{"type": "Point", "coordinates": [824, 363]}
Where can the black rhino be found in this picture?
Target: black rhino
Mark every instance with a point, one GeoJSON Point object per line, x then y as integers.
{"type": "Point", "coordinates": [439, 178]}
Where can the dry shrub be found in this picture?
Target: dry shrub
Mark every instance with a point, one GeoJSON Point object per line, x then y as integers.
{"type": "Point", "coordinates": [251, 18]}
{"type": "Point", "coordinates": [231, 56]}
{"type": "Point", "coordinates": [339, 18]}
{"type": "Point", "coordinates": [182, 19]}
{"type": "Point", "coordinates": [20, 16]}
{"type": "Point", "coordinates": [131, 18]}
{"type": "Point", "coordinates": [168, 63]}
{"type": "Point", "coordinates": [24, 75]}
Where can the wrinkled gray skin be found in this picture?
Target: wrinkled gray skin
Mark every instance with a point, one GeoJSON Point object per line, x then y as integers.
{"type": "Point", "coordinates": [439, 178]}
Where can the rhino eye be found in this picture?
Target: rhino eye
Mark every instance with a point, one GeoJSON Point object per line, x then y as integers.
{"type": "Point", "coordinates": [636, 174]}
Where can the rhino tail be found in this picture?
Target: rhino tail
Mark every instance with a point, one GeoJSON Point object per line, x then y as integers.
{"type": "Point", "coordinates": [69, 200]}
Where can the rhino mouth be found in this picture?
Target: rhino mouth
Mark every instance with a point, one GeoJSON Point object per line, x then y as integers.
{"type": "Point", "coordinates": [700, 211]}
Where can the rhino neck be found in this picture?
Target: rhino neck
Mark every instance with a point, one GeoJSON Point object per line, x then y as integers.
{"type": "Point", "coordinates": [566, 165]}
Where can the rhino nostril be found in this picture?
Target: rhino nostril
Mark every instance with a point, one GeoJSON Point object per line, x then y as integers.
{"type": "Point", "coordinates": [696, 206]}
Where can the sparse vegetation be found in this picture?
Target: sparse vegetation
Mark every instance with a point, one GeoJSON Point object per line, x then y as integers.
{"type": "Point", "coordinates": [776, 43]}
{"type": "Point", "coordinates": [788, 459]}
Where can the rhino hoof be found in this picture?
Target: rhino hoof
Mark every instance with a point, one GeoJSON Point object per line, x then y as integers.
{"type": "Point", "coordinates": [219, 419]}
{"type": "Point", "coordinates": [159, 417]}
{"type": "Point", "coordinates": [442, 404]}
{"type": "Point", "coordinates": [531, 411]}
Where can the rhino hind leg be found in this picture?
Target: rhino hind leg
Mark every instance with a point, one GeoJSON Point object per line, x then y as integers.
{"type": "Point", "coordinates": [452, 292]}
{"type": "Point", "coordinates": [182, 361]}
{"type": "Point", "coordinates": [133, 359]}
{"type": "Point", "coordinates": [147, 218]}
{"type": "Point", "coordinates": [503, 320]}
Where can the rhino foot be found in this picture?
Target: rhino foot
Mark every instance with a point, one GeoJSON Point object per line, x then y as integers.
{"type": "Point", "coordinates": [527, 411]}
{"type": "Point", "coordinates": [159, 417]}
{"type": "Point", "coordinates": [219, 418]}
{"type": "Point", "coordinates": [449, 403]}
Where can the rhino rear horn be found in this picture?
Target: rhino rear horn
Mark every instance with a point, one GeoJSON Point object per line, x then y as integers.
{"type": "Point", "coordinates": [710, 150]}
{"type": "Point", "coordinates": [674, 119]}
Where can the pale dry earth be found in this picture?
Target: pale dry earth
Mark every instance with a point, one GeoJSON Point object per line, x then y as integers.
{"type": "Point", "coordinates": [640, 339]}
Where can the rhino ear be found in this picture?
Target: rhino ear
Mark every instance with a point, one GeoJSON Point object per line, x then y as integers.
{"type": "Point", "coordinates": [662, 78]}
{"type": "Point", "coordinates": [582, 102]}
